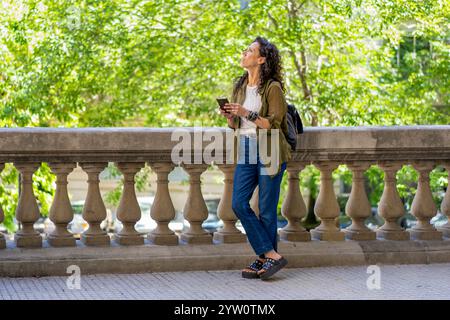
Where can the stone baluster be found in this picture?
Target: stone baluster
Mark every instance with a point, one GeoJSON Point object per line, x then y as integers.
{"type": "Point", "coordinates": [128, 211]}
{"type": "Point", "coordinates": [162, 210]}
{"type": "Point", "coordinates": [358, 206]}
{"type": "Point", "coordinates": [229, 233]}
{"type": "Point", "coordinates": [445, 205]}
{"type": "Point", "coordinates": [294, 208]}
{"type": "Point", "coordinates": [94, 211]}
{"type": "Point", "coordinates": [61, 212]}
{"type": "Point", "coordinates": [2, 217]}
{"type": "Point", "coordinates": [391, 206]}
{"type": "Point", "coordinates": [195, 210]}
{"type": "Point", "coordinates": [423, 206]}
{"type": "Point", "coordinates": [27, 211]}
{"type": "Point", "coordinates": [327, 207]}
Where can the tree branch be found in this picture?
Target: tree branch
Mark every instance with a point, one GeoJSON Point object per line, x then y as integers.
{"type": "Point", "coordinates": [300, 66]}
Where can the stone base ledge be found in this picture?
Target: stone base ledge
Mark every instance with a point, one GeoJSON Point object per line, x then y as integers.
{"type": "Point", "coordinates": [46, 261]}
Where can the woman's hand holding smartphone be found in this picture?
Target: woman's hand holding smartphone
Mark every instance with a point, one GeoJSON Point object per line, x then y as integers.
{"type": "Point", "coordinates": [236, 109]}
{"type": "Point", "coordinates": [222, 102]}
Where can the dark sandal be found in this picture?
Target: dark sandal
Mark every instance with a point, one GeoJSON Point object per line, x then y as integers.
{"type": "Point", "coordinates": [272, 266]}
{"type": "Point", "coordinates": [255, 267]}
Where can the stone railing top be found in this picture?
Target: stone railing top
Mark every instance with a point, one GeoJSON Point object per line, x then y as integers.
{"type": "Point", "coordinates": [154, 144]}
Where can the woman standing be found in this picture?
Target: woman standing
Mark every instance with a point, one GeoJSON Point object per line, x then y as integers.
{"type": "Point", "coordinates": [258, 102]}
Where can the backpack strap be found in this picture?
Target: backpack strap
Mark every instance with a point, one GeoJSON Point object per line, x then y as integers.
{"type": "Point", "coordinates": [299, 122]}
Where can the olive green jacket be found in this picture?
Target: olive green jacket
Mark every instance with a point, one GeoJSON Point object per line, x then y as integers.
{"type": "Point", "coordinates": [274, 109]}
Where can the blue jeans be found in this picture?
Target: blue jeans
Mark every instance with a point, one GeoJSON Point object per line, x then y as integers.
{"type": "Point", "coordinates": [262, 231]}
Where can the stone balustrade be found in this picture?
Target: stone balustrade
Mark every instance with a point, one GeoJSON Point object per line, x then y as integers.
{"type": "Point", "coordinates": [423, 147]}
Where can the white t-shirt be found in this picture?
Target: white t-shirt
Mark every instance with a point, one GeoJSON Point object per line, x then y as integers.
{"type": "Point", "coordinates": [252, 103]}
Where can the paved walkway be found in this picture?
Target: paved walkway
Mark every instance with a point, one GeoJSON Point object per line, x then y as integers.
{"type": "Point", "coordinates": [395, 282]}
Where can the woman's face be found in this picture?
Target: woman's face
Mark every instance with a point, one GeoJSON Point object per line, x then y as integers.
{"type": "Point", "coordinates": [251, 57]}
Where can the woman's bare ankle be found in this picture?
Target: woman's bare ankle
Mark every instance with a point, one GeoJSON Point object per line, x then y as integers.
{"type": "Point", "coordinates": [273, 255]}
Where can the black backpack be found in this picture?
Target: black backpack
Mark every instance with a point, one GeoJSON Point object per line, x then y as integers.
{"type": "Point", "coordinates": [295, 125]}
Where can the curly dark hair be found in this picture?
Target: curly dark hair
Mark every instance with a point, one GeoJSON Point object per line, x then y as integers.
{"type": "Point", "coordinates": [270, 69]}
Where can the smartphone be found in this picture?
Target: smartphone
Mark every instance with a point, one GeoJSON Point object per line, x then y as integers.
{"type": "Point", "coordinates": [222, 102]}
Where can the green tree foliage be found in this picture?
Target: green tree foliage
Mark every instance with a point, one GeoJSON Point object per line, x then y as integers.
{"type": "Point", "coordinates": [85, 63]}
